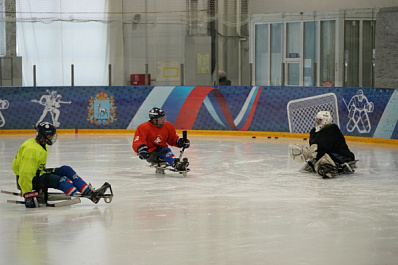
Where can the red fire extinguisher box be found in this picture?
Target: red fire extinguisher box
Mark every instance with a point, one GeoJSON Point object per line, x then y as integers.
{"type": "Point", "coordinates": [139, 79]}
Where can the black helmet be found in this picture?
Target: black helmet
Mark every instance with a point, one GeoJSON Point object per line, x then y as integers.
{"type": "Point", "coordinates": [156, 113]}
{"type": "Point", "coordinates": [46, 133]}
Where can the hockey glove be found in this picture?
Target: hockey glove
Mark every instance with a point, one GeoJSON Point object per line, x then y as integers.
{"type": "Point", "coordinates": [31, 199]}
{"type": "Point", "coordinates": [301, 153]}
{"type": "Point", "coordinates": [181, 142]}
{"type": "Point", "coordinates": [143, 152]}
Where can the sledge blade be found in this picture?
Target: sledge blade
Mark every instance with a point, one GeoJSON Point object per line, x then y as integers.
{"type": "Point", "coordinates": [64, 203]}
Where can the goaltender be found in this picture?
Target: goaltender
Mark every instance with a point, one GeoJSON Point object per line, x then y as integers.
{"type": "Point", "coordinates": [328, 153]}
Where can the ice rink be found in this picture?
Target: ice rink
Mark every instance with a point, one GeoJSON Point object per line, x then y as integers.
{"type": "Point", "coordinates": [244, 202]}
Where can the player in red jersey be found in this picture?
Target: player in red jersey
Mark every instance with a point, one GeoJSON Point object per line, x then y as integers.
{"type": "Point", "coordinates": [156, 135]}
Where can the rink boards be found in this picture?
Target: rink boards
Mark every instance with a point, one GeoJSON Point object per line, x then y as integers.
{"type": "Point", "coordinates": [359, 112]}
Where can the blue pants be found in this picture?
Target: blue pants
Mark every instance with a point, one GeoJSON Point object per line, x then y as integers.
{"type": "Point", "coordinates": [166, 154]}
{"type": "Point", "coordinates": [63, 178]}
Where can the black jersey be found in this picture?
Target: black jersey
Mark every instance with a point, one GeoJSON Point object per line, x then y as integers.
{"type": "Point", "coordinates": [331, 140]}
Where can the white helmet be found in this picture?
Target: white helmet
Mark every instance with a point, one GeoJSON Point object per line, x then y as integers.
{"type": "Point", "coordinates": [322, 118]}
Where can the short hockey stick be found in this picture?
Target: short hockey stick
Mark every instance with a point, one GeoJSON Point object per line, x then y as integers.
{"type": "Point", "coordinates": [184, 136]}
{"type": "Point", "coordinates": [57, 204]}
{"type": "Point", "coordinates": [52, 196]}
{"type": "Point", "coordinates": [66, 200]}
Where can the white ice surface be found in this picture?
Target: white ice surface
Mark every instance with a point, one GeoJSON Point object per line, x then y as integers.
{"type": "Point", "coordinates": [244, 202]}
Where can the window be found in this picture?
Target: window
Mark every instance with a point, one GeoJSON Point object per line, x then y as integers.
{"type": "Point", "coordinates": [310, 52]}
{"type": "Point", "coordinates": [351, 53]}
{"type": "Point", "coordinates": [276, 54]}
{"type": "Point", "coordinates": [293, 40]}
{"type": "Point", "coordinates": [323, 48]}
{"type": "Point", "coordinates": [2, 29]}
{"type": "Point", "coordinates": [328, 53]}
{"type": "Point", "coordinates": [293, 77]}
{"type": "Point", "coordinates": [293, 56]}
{"type": "Point", "coordinates": [368, 46]}
{"type": "Point", "coordinates": [68, 32]}
{"type": "Point", "coordinates": [261, 54]}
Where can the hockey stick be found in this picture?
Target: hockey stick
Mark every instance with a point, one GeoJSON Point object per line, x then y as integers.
{"type": "Point", "coordinates": [57, 204]}
{"type": "Point", "coordinates": [16, 202]}
{"type": "Point", "coordinates": [56, 196]}
{"type": "Point", "coordinates": [52, 196]}
{"type": "Point", "coordinates": [184, 136]}
{"type": "Point", "coordinates": [11, 193]}
{"type": "Point", "coordinates": [66, 200]}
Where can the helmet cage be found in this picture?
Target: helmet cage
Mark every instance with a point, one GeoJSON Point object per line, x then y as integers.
{"type": "Point", "coordinates": [324, 117]}
{"type": "Point", "coordinates": [157, 117]}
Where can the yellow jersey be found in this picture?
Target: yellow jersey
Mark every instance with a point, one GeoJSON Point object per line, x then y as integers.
{"type": "Point", "coordinates": [30, 158]}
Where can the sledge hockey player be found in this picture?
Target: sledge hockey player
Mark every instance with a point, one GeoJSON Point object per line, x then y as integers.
{"type": "Point", "coordinates": [33, 178]}
{"type": "Point", "coordinates": [153, 138]}
{"type": "Point", "coordinates": [328, 153]}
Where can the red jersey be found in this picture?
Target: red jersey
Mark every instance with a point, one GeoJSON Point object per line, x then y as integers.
{"type": "Point", "coordinates": [153, 136]}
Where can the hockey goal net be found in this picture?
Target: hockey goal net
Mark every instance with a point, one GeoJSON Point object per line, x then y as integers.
{"type": "Point", "coordinates": [301, 112]}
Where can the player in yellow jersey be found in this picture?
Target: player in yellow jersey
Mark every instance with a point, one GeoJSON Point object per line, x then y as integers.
{"type": "Point", "coordinates": [33, 177]}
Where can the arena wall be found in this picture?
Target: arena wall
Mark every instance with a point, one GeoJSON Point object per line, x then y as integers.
{"type": "Point", "coordinates": [360, 112]}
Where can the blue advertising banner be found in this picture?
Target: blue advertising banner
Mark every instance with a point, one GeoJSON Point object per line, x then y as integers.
{"type": "Point", "coordinates": [368, 112]}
